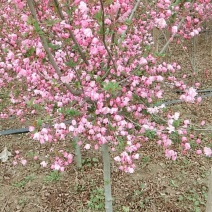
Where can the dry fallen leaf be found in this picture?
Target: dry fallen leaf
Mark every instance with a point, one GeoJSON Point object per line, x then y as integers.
{"type": "Point", "coordinates": [4, 155]}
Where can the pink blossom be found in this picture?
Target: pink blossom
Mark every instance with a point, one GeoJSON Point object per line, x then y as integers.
{"type": "Point", "coordinates": [79, 143]}
{"type": "Point", "coordinates": [170, 154]}
{"type": "Point", "coordinates": [202, 123]}
{"type": "Point", "coordinates": [73, 122]}
{"type": "Point", "coordinates": [96, 147]}
{"type": "Point", "coordinates": [160, 23]}
{"type": "Point", "coordinates": [43, 164]}
{"type": "Point", "coordinates": [35, 157]}
{"type": "Point", "coordinates": [17, 152]}
{"type": "Point", "coordinates": [199, 152]}
{"type": "Point", "coordinates": [130, 170]}
{"type": "Point", "coordinates": [187, 146]}
{"type": "Point", "coordinates": [31, 128]}
{"type": "Point", "coordinates": [186, 122]}
{"type": "Point", "coordinates": [170, 128]}
{"type": "Point", "coordinates": [117, 159]}
{"type": "Point", "coordinates": [184, 139]}
{"type": "Point", "coordinates": [56, 167]}
{"type": "Point", "coordinates": [189, 95]}
{"type": "Point", "coordinates": [87, 146]}
{"type": "Point", "coordinates": [199, 99]}
{"type": "Point", "coordinates": [176, 116]}
{"type": "Point", "coordinates": [174, 29]}
{"type": "Point", "coordinates": [37, 136]}
{"type": "Point", "coordinates": [24, 17]}
{"type": "Point", "coordinates": [198, 141]}
{"type": "Point", "coordinates": [88, 32]}
{"type": "Point", "coordinates": [15, 163]}
{"type": "Point", "coordinates": [207, 151]}
{"type": "Point", "coordinates": [66, 79]}
{"type": "Point", "coordinates": [71, 128]}
{"type": "Point", "coordinates": [136, 156]}
{"type": "Point", "coordinates": [23, 162]}
{"type": "Point", "coordinates": [83, 7]}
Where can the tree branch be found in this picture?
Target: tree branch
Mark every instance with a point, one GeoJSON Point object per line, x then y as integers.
{"type": "Point", "coordinates": [72, 34]}
{"type": "Point", "coordinates": [111, 46]}
{"type": "Point", "coordinates": [103, 32]}
{"type": "Point", "coordinates": [130, 19]}
{"type": "Point", "coordinates": [173, 35]}
{"type": "Point", "coordinates": [45, 45]}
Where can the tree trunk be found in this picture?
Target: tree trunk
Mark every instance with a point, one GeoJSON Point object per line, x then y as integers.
{"type": "Point", "coordinates": [78, 153]}
{"type": "Point", "coordinates": [107, 180]}
{"type": "Point", "coordinates": [209, 200]}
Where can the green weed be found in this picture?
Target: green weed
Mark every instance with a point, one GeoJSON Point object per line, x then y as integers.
{"type": "Point", "coordinates": [23, 182]}
{"type": "Point", "coordinates": [96, 202]}
{"type": "Point", "coordinates": [54, 176]}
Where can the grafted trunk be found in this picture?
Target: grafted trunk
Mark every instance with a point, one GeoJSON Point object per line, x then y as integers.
{"type": "Point", "coordinates": [209, 200]}
{"type": "Point", "coordinates": [107, 180]}
{"type": "Point", "coordinates": [77, 153]}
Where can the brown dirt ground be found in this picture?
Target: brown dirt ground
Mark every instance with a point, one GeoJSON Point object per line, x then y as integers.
{"type": "Point", "coordinates": [157, 185]}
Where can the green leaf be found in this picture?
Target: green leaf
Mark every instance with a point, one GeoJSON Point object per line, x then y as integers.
{"type": "Point", "coordinates": [196, 203]}
{"type": "Point", "coordinates": [150, 134]}
{"type": "Point", "coordinates": [51, 22]}
{"type": "Point", "coordinates": [95, 160]}
{"type": "Point", "coordinates": [121, 143]}
{"type": "Point", "coordinates": [30, 20]}
{"type": "Point", "coordinates": [71, 64]}
{"type": "Point", "coordinates": [39, 122]}
{"type": "Point", "coordinates": [128, 22]}
{"type": "Point", "coordinates": [37, 28]}
{"type": "Point", "coordinates": [72, 112]}
{"type": "Point", "coordinates": [30, 103]}
{"type": "Point", "coordinates": [111, 87]}
{"type": "Point", "coordinates": [110, 127]}
{"type": "Point", "coordinates": [176, 123]}
{"type": "Point", "coordinates": [98, 16]}
{"type": "Point", "coordinates": [180, 198]}
{"type": "Point", "coordinates": [29, 52]}
{"type": "Point", "coordinates": [54, 47]}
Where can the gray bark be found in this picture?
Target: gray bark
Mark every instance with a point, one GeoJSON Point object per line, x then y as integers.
{"type": "Point", "coordinates": [107, 180]}
{"type": "Point", "coordinates": [209, 200]}
{"type": "Point", "coordinates": [78, 155]}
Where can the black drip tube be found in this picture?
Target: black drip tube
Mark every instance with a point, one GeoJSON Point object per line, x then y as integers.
{"type": "Point", "coordinates": [26, 130]}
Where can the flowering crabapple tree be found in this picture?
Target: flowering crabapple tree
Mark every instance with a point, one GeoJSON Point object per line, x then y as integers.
{"type": "Point", "coordinates": [91, 67]}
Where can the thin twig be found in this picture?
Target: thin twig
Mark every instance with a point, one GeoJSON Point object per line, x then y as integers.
{"type": "Point", "coordinates": [172, 37]}
{"type": "Point", "coordinates": [130, 19]}
{"type": "Point", "coordinates": [72, 34]}
{"type": "Point", "coordinates": [111, 46]}
{"type": "Point", "coordinates": [133, 121]}
{"type": "Point", "coordinates": [164, 34]}
{"type": "Point", "coordinates": [45, 45]}
{"type": "Point", "coordinates": [80, 51]}
{"type": "Point", "coordinates": [103, 32]}
{"type": "Point", "coordinates": [77, 73]}
{"type": "Point", "coordinates": [188, 57]}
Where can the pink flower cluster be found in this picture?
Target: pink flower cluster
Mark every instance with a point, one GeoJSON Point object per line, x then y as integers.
{"type": "Point", "coordinates": [116, 75]}
{"type": "Point", "coordinates": [60, 163]}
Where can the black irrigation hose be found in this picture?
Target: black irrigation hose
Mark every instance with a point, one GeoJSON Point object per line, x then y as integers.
{"type": "Point", "coordinates": [26, 130]}
{"type": "Point", "coordinates": [173, 102]}
{"type": "Point", "coordinates": [15, 131]}
{"type": "Point", "coordinates": [198, 91]}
